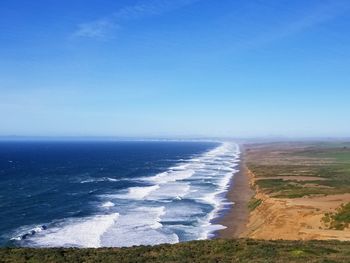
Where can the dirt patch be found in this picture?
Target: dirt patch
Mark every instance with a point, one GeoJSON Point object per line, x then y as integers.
{"type": "Point", "coordinates": [294, 219]}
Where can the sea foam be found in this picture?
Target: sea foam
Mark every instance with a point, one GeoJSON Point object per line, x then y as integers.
{"type": "Point", "coordinates": [175, 205]}
{"type": "Point", "coordinates": [84, 232]}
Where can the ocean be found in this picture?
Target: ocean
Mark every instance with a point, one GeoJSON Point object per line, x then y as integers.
{"type": "Point", "coordinates": [113, 193]}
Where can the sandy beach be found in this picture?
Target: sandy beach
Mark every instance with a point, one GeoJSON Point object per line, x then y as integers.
{"type": "Point", "coordinates": [239, 194]}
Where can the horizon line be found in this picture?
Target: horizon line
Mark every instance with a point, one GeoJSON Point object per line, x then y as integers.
{"type": "Point", "coordinates": [168, 138]}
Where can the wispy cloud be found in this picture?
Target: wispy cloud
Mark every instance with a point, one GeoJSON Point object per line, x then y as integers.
{"type": "Point", "coordinates": [102, 27]}
{"type": "Point", "coordinates": [314, 17]}
{"type": "Point", "coordinates": [321, 14]}
{"type": "Point", "coordinates": [260, 32]}
{"type": "Point", "coordinates": [95, 29]}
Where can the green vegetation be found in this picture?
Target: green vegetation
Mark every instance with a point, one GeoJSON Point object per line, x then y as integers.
{"type": "Point", "coordinates": [254, 203]}
{"type": "Point", "coordinates": [295, 189]}
{"type": "Point", "coordinates": [327, 163]}
{"type": "Point", "coordinates": [240, 250]}
{"type": "Point", "coordinates": [340, 219]}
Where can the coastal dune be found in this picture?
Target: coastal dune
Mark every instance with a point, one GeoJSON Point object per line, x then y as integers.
{"type": "Point", "coordinates": [294, 219]}
{"type": "Point", "coordinates": [289, 193]}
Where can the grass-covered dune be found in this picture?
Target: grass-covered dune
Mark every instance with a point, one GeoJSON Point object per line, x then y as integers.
{"type": "Point", "coordinates": [302, 190]}
{"type": "Point", "coordinates": [277, 166]}
{"type": "Point", "coordinates": [240, 250]}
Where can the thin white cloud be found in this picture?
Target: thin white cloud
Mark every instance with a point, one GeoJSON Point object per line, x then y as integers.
{"type": "Point", "coordinates": [100, 28]}
{"type": "Point", "coordinates": [316, 16]}
{"type": "Point", "coordinates": [95, 29]}
{"type": "Point", "coordinates": [319, 15]}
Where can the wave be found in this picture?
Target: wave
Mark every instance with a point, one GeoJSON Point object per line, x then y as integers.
{"type": "Point", "coordinates": [139, 226]}
{"type": "Point", "coordinates": [203, 179]}
{"type": "Point", "coordinates": [178, 204]}
{"type": "Point", "coordinates": [95, 180]}
{"type": "Point", "coordinates": [107, 204]}
{"type": "Point", "coordinates": [173, 175]}
{"type": "Point", "coordinates": [137, 193]}
{"type": "Point", "coordinates": [84, 232]}
{"type": "Point", "coordinates": [29, 232]}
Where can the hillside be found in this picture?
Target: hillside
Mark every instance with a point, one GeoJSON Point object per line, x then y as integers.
{"type": "Point", "coordinates": [302, 190]}
{"type": "Point", "coordinates": [198, 251]}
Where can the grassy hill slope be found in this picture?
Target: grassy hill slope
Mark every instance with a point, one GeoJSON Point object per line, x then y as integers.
{"type": "Point", "coordinates": [240, 250]}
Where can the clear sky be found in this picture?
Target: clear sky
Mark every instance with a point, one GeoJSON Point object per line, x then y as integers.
{"type": "Point", "coordinates": [175, 67]}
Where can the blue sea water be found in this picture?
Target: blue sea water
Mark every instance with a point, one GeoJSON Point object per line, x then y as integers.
{"type": "Point", "coordinates": [112, 194]}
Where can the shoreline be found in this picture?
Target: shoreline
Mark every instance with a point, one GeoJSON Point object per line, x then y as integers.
{"type": "Point", "coordinates": [239, 194]}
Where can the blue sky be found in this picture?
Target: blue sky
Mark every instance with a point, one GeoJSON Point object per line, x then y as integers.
{"type": "Point", "coordinates": [175, 68]}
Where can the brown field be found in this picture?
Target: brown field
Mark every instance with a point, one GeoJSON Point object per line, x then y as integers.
{"type": "Point", "coordinates": [296, 185]}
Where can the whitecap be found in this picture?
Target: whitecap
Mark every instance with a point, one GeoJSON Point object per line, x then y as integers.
{"type": "Point", "coordinates": [176, 205]}
{"type": "Point", "coordinates": [171, 176]}
{"type": "Point", "coordinates": [27, 232]}
{"type": "Point", "coordinates": [140, 226]}
{"type": "Point", "coordinates": [83, 232]}
{"type": "Point", "coordinates": [137, 193]}
{"type": "Point", "coordinates": [107, 204]}
{"type": "Point", "coordinates": [102, 179]}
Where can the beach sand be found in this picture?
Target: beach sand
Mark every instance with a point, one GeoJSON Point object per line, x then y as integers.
{"type": "Point", "coordinates": [239, 194]}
